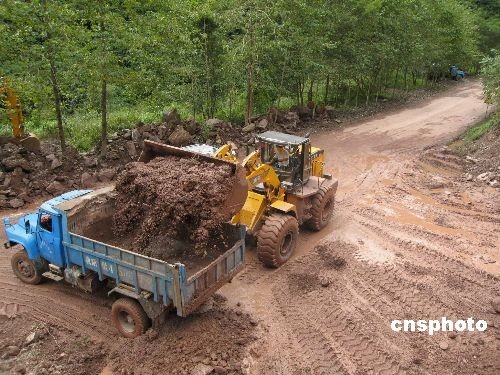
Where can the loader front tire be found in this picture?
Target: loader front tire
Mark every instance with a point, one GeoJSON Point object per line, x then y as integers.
{"type": "Point", "coordinates": [129, 317]}
{"type": "Point", "coordinates": [322, 207]}
{"type": "Point", "coordinates": [277, 239]}
{"type": "Point", "coordinates": [26, 269]}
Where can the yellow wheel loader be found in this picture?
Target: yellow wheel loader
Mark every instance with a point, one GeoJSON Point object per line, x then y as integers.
{"type": "Point", "coordinates": [287, 188]}
{"type": "Point", "coordinates": [281, 185]}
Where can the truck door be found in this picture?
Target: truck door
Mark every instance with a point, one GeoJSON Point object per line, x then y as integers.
{"type": "Point", "coordinates": [49, 238]}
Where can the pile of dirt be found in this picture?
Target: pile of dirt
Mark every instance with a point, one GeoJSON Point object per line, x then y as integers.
{"type": "Point", "coordinates": [181, 198]}
{"type": "Point", "coordinates": [28, 346]}
{"type": "Point", "coordinates": [210, 342]}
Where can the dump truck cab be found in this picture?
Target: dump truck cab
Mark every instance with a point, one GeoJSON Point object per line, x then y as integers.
{"type": "Point", "coordinates": [41, 232]}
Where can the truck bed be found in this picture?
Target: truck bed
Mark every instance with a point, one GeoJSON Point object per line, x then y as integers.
{"type": "Point", "coordinates": [165, 282]}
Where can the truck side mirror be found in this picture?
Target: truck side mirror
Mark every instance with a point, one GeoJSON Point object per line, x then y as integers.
{"type": "Point", "coordinates": [27, 226]}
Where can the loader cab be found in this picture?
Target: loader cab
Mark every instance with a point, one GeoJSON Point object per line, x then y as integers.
{"type": "Point", "coordinates": [289, 155]}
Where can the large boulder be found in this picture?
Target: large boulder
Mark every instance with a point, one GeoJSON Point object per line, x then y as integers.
{"type": "Point", "coordinates": [55, 188]}
{"type": "Point", "coordinates": [262, 125]}
{"type": "Point", "coordinates": [249, 128]}
{"type": "Point", "coordinates": [163, 131]}
{"type": "Point", "coordinates": [136, 135]}
{"type": "Point", "coordinates": [16, 161]}
{"type": "Point", "coordinates": [192, 126]}
{"type": "Point", "coordinates": [172, 117]}
{"type": "Point", "coordinates": [16, 203]}
{"type": "Point", "coordinates": [106, 175]}
{"type": "Point", "coordinates": [88, 180]}
{"type": "Point", "coordinates": [180, 137]}
{"type": "Point", "coordinates": [131, 150]}
{"type": "Point", "coordinates": [212, 122]}
{"type": "Point", "coordinates": [55, 163]}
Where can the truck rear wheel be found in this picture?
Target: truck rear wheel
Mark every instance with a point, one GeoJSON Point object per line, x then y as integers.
{"type": "Point", "coordinates": [277, 239]}
{"type": "Point", "coordinates": [129, 317]}
{"type": "Point", "coordinates": [323, 203]}
{"type": "Point", "coordinates": [25, 269]}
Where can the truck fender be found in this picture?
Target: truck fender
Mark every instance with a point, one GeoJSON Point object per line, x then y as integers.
{"type": "Point", "coordinates": [284, 207]}
{"type": "Point", "coordinates": [29, 245]}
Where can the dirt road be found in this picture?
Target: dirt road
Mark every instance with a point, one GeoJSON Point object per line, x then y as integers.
{"type": "Point", "coordinates": [409, 240]}
{"type": "Point", "coordinates": [406, 243]}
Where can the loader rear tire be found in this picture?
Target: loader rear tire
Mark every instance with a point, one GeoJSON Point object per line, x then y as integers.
{"type": "Point", "coordinates": [129, 317]}
{"type": "Point", "coordinates": [277, 239]}
{"type": "Point", "coordinates": [26, 269]}
{"type": "Point", "coordinates": [323, 204]}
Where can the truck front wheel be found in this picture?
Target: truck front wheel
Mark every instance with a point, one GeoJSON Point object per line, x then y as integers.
{"type": "Point", "coordinates": [25, 269]}
{"type": "Point", "coordinates": [129, 317]}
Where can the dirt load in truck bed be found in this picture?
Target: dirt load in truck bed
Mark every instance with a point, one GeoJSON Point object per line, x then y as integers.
{"type": "Point", "coordinates": [172, 202]}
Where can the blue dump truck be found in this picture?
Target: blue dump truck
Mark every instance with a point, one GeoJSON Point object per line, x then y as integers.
{"type": "Point", "coordinates": [64, 240]}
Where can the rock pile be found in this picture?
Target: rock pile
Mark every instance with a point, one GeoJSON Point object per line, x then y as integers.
{"type": "Point", "coordinates": [25, 175]}
{"type": "Point", "coordinates": [126, 145]}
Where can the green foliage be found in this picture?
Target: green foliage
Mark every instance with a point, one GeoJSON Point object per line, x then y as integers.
{"type": "Point", "coordinates": [481, 129]}
{"type": "Point", "coordinates": [225, 58]}
{"type": "Point", "coordinates": [490, 72]}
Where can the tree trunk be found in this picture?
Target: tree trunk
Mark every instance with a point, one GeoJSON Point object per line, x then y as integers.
{"type": "Point", "coordinates": [406, 82]}
{"type": "Point", "coordinates": [249, 108]}
{"type": "Point", "coordinates": [208, 76]}
{"type": "Point", "coordinates": [327, 87]}
{"type": "Point", "coordinates": [57, 100]}
{"type": "Point", "coordinates": [310, 92]}
{"type": "Point", "coordinates": [395, 83]}
{"type": "Point", "coordinates": [280, 88]}
{"type": "Point", "coordinates": [104, 116]}
{"type": "Point", "coordinates": [302, 85]}
{"type": "Point", "coordinates": [250, 73]}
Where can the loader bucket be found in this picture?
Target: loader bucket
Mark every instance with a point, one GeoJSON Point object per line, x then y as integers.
{"type": "Point", "coordinates": [234, 201]}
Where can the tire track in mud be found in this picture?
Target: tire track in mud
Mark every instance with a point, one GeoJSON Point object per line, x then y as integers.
{"type": "Point", "coordinates": [344, 328]}
{"type": "Point", "coordinates": [51, 303]}
{"type": "Point", "coordinates": [333, 342]}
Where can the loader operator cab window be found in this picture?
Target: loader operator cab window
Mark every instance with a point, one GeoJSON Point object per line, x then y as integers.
{"type": "Point", "coordinates": [281, 156]}
{"type": "Point", "coordinates": [46, 222]}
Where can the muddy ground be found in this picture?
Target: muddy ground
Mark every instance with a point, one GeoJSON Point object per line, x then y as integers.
{"type": "Point", "coordinates": [412, 238]}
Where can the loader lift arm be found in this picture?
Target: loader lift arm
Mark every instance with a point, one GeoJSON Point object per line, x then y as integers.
{"type": "Point", "coordinates": [15, 114]}
{"type": "Point", "coordinates": [13, 107]}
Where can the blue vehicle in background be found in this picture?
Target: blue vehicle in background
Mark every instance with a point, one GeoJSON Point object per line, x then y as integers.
{"type": "Point", "coordinates": [456, 73]}
{"type": "Point", "coordinates": [55, 243]}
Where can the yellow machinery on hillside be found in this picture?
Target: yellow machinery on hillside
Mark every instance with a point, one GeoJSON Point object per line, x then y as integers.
{"type": "Point", "coordinates": [287, 188]}
{"type": "Point", "coordinates": [15, 114]}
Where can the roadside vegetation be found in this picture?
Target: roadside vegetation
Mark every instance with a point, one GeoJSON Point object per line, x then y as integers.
{"type": "Point", "coordinates": [490, 75]}
{"type": "Point", "coordinates": [85, 69]}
